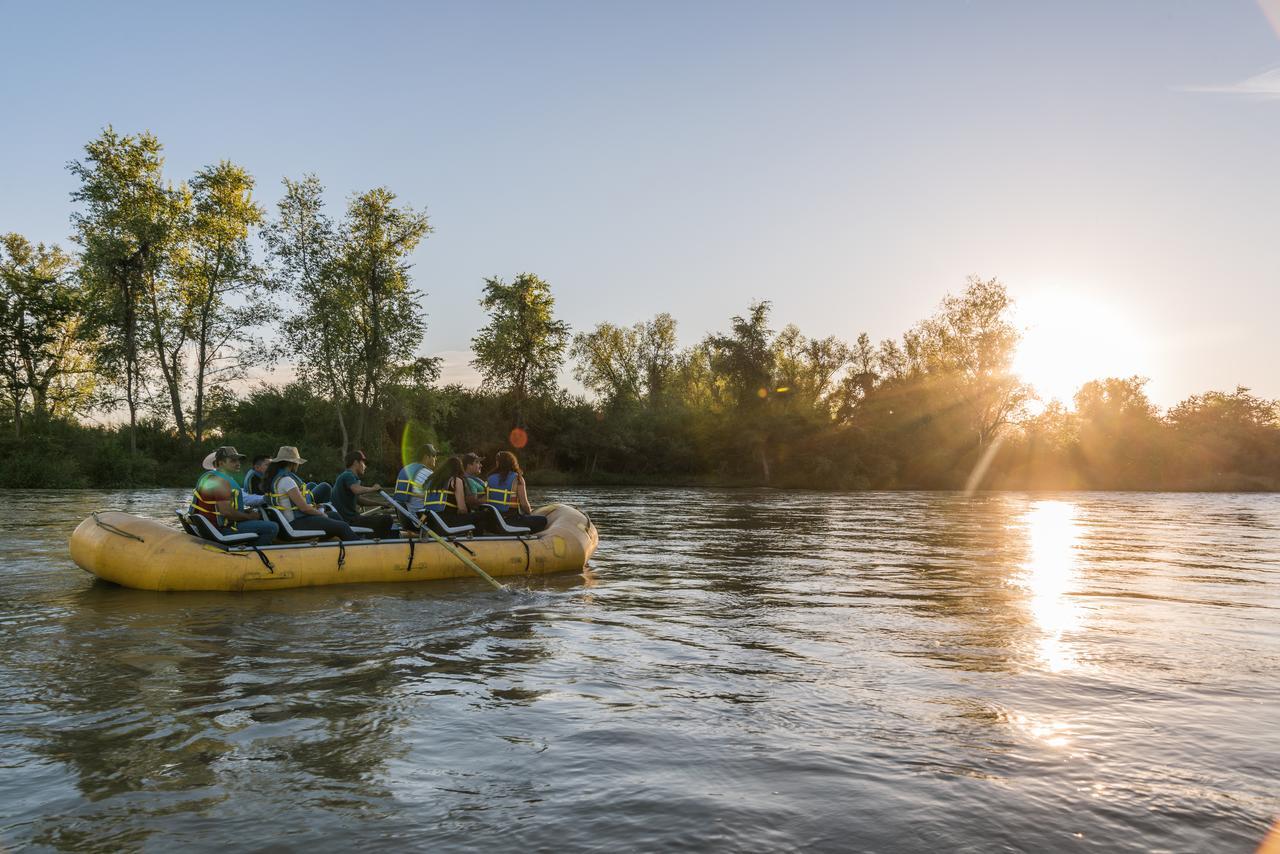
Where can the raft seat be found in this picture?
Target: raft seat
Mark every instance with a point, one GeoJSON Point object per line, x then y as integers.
{"type": "Point", "coordinates": [287, 532]}
{"type": "Point", "coordinates": [503, 526]}
{"type": "Point", "coordinates": [437, 524]}
{"type": "Point", "coordinates": [198, 526]}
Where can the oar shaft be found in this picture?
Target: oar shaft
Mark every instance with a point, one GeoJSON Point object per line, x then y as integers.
{"type": "Point", "coordinates": [475, 567]}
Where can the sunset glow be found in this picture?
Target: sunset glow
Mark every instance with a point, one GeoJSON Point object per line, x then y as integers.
{"type": "Point", "coordinates": [1069, 339]}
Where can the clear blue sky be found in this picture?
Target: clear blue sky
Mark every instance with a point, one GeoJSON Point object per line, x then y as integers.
{"type": "Point", "coordinates": [851, 162]}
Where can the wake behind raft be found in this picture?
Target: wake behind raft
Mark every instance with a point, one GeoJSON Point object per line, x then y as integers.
{"type": "Point", "coordinates": [149, 555]}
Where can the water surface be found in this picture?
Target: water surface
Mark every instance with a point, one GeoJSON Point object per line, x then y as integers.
{"type": "Point", "coordinates": [739, 670]}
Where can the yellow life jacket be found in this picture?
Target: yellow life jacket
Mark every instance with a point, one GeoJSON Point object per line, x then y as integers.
{"type": "Point", "coordinates": [276, 499]}
{"type": "Point", "coordinates": [208, 508]}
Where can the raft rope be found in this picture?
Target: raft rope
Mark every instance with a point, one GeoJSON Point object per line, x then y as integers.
{"type": "Point", "coordinates": [113, 529]}
{"type": "Point", "coordinates": [412, 552]}
{"type": "Point", "coordinates": [527, 558]}
{"type": "Point", "coordinates": [265, 560]}
{"type": "Point", "coordinates": [342, 554]}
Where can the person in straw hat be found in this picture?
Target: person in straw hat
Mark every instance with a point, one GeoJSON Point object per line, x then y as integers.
{"type": "Point", "coordinates": [289, 494]}
{"type": "Point", "coordinates": [218, 498]}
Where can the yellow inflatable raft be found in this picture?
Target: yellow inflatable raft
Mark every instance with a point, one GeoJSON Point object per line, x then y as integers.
{"type": "Point", "coordinates": [149, 555]}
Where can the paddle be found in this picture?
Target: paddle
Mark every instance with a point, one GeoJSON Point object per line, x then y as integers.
{"type": "Point", "coordinates": [448, 545]}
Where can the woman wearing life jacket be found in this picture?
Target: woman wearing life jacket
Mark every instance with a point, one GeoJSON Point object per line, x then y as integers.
{"type": "Point", "coordinates": [445, 492]}
{"type": "Point", "coordinates": [505, 490]}
{"type": "Point", "coordinates": [289, 494]}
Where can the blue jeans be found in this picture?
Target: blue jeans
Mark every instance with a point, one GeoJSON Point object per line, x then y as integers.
{"type": "Point", "coordinates": [265, 530]}
{"type": "Point", "coordinates": [320, 492]}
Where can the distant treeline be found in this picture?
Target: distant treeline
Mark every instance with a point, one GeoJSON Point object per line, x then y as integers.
{"type": "Point", "coordinates": [174, 290]}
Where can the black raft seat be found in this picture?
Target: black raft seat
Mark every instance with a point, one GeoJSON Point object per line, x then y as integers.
{"type": "Point", "coordinates": [199, 526]}
{"type": "Point", "coordinates": [287, 532]}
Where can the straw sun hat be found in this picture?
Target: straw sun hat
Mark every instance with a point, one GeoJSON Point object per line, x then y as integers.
{"type": "Point", "coordinates": [288, 454]}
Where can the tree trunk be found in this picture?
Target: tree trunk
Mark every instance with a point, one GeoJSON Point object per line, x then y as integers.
{"type": "Point", "coordinates": [342, 426]}
{"type": "Point", "coordinates": [17, 414]}
{"type": "Point", "coordinates": [201, 368]}
{"type": "Point", "coordinates": [130, 360]}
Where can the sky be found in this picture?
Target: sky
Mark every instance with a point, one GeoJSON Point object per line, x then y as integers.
{"type": "Point", "coordinates": [1115, 165]}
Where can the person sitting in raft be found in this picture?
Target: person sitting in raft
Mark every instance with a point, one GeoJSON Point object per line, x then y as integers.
{"type": "Point", "coordinates": [412, 479]}
{"type": "Point", "coordinates": [346, 492]}
{"type": "Point", "coordinates": [290, 495]}
{"type": "Point", "coordinates": [446, 494]}
{"type": "Point", "coordinates": [505, 490]}
{"type": "Point", "coordinates": [472, 465]}
{"type": "Point", "coordinates": [218, 498]}
{"type": "Point", "coordinates": [255, 489]}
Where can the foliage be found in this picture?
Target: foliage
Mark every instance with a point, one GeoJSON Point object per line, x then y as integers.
{"type": "Point", "coordinates": [159, 312]}
{"type": "Point", "coordinates": [522, 347]}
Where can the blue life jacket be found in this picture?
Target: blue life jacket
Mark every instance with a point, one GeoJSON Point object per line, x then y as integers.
{"type": "Point", "coordinates": [441, 500]}
{"type": "Point", "coordinates": [501, 491]}
{"type": "Point", "coordinates": [406, 487]}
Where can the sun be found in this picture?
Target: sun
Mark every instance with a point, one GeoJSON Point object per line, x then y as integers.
{"type": "Point", "coordinates": [1069, 338]}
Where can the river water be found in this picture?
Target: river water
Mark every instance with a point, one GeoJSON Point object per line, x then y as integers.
{"type": "Point", "coordinates": [738, 671]}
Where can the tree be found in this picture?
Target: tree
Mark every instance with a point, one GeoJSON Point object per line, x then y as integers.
{"type": "Point", "coordinates": [375, 239]}
{"type": "Point", "coordinates": [321, 339]}
{"type": "Point", "coordinates": [217, 266]}
{"type": "Point", "coordinates": [126, 226]}
{"type": "Point", "coordinates": [522, 347]}
{"type": "Point", "coordinates": [360, 324]}
{"type": "Point", "coordinates": [971, 342]}
{"type": "Point", "coordinates": [41, 348]}
{"type": "Point", "coordinates": [627, 363]}
{"type": "Point", "coordinates": [745, 357]}
{"type": "Point", "coordinates": [608, 361]}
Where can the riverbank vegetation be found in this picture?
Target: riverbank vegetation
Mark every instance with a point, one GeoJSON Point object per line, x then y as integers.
{"type": "Point", "coordinates": [150, 320]}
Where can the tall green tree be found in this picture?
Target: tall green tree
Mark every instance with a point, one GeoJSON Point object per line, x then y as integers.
{"type": "Point", "coordinates": [376, 240]}
{"type": "Point", "coordinates": [522, 347]}
{"type": "Point", "coordinates": [360, 322]}
{"type": "Point", "coordinates": [320, 338]}
{"type": "Point", "coordinates": [42, 349]}
{"type": "Point", "coordinates": [126, 226]}
{"type": "Point", "coordinates": [215, 267]}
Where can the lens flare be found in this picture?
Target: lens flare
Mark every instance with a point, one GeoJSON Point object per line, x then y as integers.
{"type": "Point", "coordinates": [518, 437]}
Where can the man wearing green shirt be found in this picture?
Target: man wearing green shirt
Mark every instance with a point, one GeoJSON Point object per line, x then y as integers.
{"type": "Point", "coordinates": [472, 463]}
{"type": "Point", "coordinates": [346, 491]}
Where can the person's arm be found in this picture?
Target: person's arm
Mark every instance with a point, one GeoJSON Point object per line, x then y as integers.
{"type": "Point", "coordinates": [522, 495]}
{"type": "Point", "coordinates": [299, 503]}
{"type": "Point", "coordinates": [357, 489]}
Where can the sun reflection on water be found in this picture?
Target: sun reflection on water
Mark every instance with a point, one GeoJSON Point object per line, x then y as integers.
{"type": "Point", "coordinates": [1053, 533]}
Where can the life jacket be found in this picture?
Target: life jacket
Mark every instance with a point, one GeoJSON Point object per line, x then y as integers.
{"type": "Point", "coordinates": [501, 491]}
{"type": "Point", "coordinates": [252, 481]}
{"type": "Point", "coordinates": [440, 500]}
{"type": "Point", "coordinates": [277, 498]}
{"type": "Point", "coordinates": [406, 487]}
{"type": "Point", "coordinates": [208, 508]}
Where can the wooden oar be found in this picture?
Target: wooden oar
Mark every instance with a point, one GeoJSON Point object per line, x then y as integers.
{"type": "Point", "coordinates": [475, 567]}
